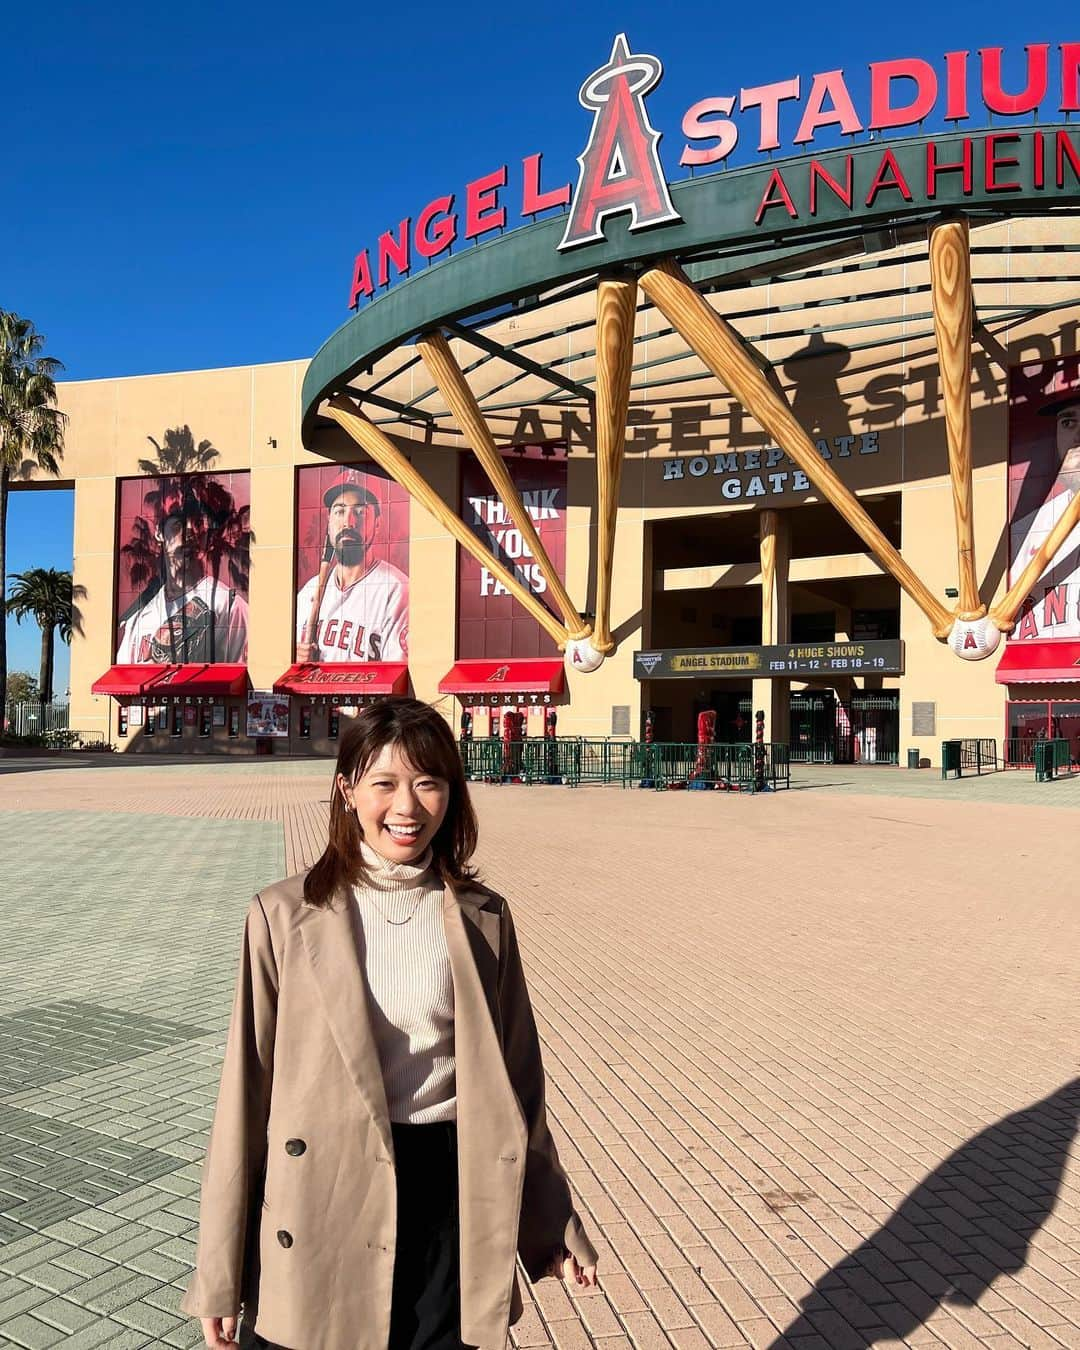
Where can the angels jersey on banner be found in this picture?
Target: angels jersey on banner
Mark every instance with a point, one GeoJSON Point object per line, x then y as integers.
{"type": "Point", "coordinates": [1044, 477]}
{"type": "Point", "coordinates": [207, 623]}
{"type": "Point", "coordinates": [352, 535]}
{"type": "Point", "coordinates": [182, 580]}
{"type": "Point", "coordinates": [365, 620]}
{"type": "Point", "coordinates": [491, 623]}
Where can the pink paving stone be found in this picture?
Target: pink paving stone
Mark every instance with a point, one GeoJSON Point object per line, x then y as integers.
{"type": "Point", "coordinates": [529, 1331]}
{"type": "Point", "coordinates": [719, 1327]}
{"type": "Point", "coordinates": [647, 1333]}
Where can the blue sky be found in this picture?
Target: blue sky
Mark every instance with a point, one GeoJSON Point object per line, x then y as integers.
{"type": "Point", "coordinates": [193, 181]}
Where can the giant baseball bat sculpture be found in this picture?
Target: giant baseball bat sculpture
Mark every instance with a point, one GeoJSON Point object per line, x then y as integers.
{"type": "Point", "coordinates": [451, 383]}
{"type": "Point", "coordinates": [386, 454]}
{"type": "Point", "coordinates": [721, 349]}
{"type": "Point", "coordinates": [950, 290]}
{"type": "Point", "coordinates": [616, 301]}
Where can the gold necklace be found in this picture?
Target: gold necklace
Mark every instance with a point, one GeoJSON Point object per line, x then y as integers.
{"type": "Point", "coordinates": [395, 923]}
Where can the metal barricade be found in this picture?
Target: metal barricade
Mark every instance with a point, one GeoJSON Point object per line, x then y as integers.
{"type": "Point", "coordinates": [978, 754]}
{"type": "Point", "coordinates": [482, 759]}
{"type": "Point", "coordinates": [969, 755]}
{"type": "Point", "coordinates": [1053, 759]}
{"type": "Point", "coordinates": [733, 766]}
{"type": "Point", "coordinates": [552, 760]}
{"type": "Point", "coordinates": [606, 761]}
{"type": "Point", "coordinates": [1018, 752]}
{"type": "Point", "coordinates": [571, 760]}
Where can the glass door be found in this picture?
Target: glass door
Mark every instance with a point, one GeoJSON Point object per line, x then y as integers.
{"type": "Point", "coordinates": [1028, 723]}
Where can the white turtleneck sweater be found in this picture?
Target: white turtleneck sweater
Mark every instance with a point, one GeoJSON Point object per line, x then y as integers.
{"type": "Point", "coordinates": [410, 988]}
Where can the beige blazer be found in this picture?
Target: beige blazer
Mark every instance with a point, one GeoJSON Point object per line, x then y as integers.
{"type": "Point", "coordinates": [298, 1213]}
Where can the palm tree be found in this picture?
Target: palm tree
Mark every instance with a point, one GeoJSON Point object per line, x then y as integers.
{"type": "Point", "coordinates": [31, 425]}
{"type": "Point", "coordinates": [177, 453]}
{"type": "Point", "coordinates": [49, 597]}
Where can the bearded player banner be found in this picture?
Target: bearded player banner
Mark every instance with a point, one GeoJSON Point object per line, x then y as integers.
{"type": "Point", "coordinates": [352, 565]}
{"type": "Point", "coordinates": [491, 623]}
{"type": "Point", "coordinates": [1044, 476]}
{"type": "Point", "coordinates": [185, 557]}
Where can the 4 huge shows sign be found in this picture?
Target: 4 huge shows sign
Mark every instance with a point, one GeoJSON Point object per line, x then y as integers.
{"type": "Point", "coordinates": [620, 173]}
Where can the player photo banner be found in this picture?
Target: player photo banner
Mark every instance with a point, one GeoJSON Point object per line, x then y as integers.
{"type": "Point", "coordinates": [184, 545]}
{"type": "Point", "coordinates": [491, 623]}
{"type": "Point", "coordinates": [352, 566]}
{"type": "Point", "coordinates": [1044, 476]}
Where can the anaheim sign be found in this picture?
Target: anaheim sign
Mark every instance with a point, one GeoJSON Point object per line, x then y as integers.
{"type": "Point", "coordinates": [620, 173]}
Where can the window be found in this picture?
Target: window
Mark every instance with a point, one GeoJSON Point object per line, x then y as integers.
{"type": "Point", "coordinates": [1036, 721]}
{"type": "Point", "coordinates": [234, 722]}
{"type": "Point", "coordinates": [206, 719]}
{"type": "Point", "coordinates": [333, 724]}
{"type": "Point", "coordinates": [177, 726]}
{"type": "Point", "coordinates": [305, 722]}
{"type": "Point", "coordinates": [1027, 724]}
{"type": "Point", "coordinates": [122, 719]}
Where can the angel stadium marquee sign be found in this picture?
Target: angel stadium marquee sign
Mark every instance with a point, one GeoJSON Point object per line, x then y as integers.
{"type": "Point", "coordinates": [620, 173]}
{"type": "Point", "coordinates": [776, 662]}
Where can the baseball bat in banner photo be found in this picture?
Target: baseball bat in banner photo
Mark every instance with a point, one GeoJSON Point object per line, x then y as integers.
{"type": "Point", "coordinates": [311, 626]}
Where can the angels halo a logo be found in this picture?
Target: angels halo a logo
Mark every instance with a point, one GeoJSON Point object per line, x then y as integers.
{"type": "Point", "coordinates": [620, 167]}
{"type": "Point", "coordinates": [648, 661]}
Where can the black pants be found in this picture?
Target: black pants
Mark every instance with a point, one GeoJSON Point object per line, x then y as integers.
{"type": "Point", "coordinates": [426, 1309]}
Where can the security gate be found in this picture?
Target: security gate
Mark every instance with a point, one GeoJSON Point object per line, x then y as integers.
{"type": "Point", "coordinates": [865, 730]}
{"type": "Point", "coordinates": [812, 737]}
{"type": "Point", "coordinates": [875, 726]}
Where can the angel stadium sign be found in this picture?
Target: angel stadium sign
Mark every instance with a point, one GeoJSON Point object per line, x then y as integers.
{"type": "Point", "coordinates": [776, 662]}
{"type": "Point", "coordinates": [620, 176]}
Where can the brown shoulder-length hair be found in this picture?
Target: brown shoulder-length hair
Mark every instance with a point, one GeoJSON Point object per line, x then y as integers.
{"type": "Point", "coordinates": [426, 742]}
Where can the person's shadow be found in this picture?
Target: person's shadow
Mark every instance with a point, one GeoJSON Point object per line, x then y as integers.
{"type": "Point", "coordinates": [972, 1219]}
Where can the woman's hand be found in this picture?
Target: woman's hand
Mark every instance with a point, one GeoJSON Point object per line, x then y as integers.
{"type": "Point", "coordinates": [566, 1268]}
{"type": "Point", "coordinates": [219, 1333]}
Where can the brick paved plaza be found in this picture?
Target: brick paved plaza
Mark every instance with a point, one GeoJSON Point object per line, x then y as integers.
{"type": "Point", "coordinates": [813, 1058]}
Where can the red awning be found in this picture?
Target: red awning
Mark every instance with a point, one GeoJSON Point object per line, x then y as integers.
{"type": "Point", "coordinates": [142, 681]}
{"type": "Point", "coordinates": [123, 681]}
{"type": "Point", "coordinates": [343, 679]}
{"type": "Point", "coordinates": [510, 677]}
{"type": "Point", "coordinates": [1050, 662]}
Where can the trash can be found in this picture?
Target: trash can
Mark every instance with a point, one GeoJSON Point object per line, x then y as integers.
{"type": "Point", "coordinates": [912, 758]}
{"type": "Point", "coordinates": [950, 758]}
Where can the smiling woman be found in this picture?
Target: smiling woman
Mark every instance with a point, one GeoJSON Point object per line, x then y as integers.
{"type": "Point", "coordinates": [369, 1120]}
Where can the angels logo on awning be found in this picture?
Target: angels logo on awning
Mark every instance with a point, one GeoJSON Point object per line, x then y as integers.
{"type": "Point", "coordinates": [620, 166]}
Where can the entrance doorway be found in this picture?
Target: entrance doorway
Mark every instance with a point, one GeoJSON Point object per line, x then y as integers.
{"type": "Point", "coordinates": [865, 730]}
{"type": "Point", "coordinates": [734, 715]}
{"type": "Point", "coordinates": [875, 726]}
{"type": "Point", "coordinates": [813, 731]}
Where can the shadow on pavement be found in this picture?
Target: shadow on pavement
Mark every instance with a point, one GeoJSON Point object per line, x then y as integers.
{"type": "Point", "coordinates": [971, 1220]}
